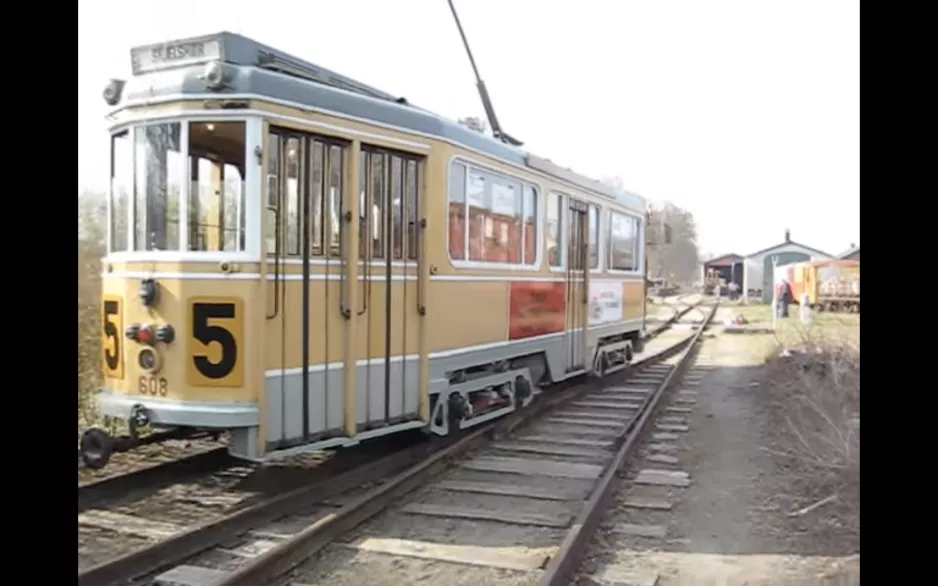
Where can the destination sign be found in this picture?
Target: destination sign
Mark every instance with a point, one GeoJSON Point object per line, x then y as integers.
{"type": "Point", "coordinates": [174, 54]}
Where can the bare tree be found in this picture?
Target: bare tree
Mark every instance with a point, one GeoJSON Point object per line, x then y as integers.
{"type": "Point", "coordinates": [675, 261]}
{"type": "Point", "coordinates": [92, 233]}
{"type": "Point", "coordinates": [92, 218]}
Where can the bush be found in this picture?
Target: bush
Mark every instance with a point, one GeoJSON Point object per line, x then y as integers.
{"type": "Point", "coordinates": [814, 383]}
{"type": "Point", "coordinates": [89, 327]}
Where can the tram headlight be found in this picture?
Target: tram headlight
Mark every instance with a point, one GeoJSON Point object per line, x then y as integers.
{"type": "Point", "coordinates": [113, 90]}
{"type": "Point", "coordinates": [148, 334]}
{"type": "Point", "coordinates": [149, 292]}
{"type": "Point", "coordinates": [165, 334]}
{"type": "Point", "coordinates": [145, 335]}
{"type": "Point", "coordinates": [216, 75]}
{"type": "Point", "coordinates": [149, 360]}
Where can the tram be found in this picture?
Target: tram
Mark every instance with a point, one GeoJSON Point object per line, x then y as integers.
{"type": "Point", "coordinates": [305, 262]}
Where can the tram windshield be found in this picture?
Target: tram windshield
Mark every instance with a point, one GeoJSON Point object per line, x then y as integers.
{"type": "Point", "coordinates": [149, 166]}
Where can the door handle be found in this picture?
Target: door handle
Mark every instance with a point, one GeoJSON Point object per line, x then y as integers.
{"type": "Point", "coordinates": [366, 267]}
{"type": "Point", "coordinates": [421, 293]}
{"type": "Point", "coordinates": [343, 283]}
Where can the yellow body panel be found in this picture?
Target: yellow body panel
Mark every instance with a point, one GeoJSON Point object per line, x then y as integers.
{"type": "Point", "coordinates": [174, 299]}
{"type": "Point", "coordinates": [328, 326]}
{"type": "Point", "coordinates": [351, 130]}
{"type": "Point", "coordinates": [633, 299]}
{"type": "Point", "coordinates": [464, 306]}
{"type": "Point", "coordinates": [467, 313]}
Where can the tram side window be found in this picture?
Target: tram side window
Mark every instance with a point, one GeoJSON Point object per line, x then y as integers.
{"type": "Point", "coordinates": [291, 203]}
{"type": "Point", "coordinates": [388, 213]}
{"type": "Point", "coordinates": [272, 227]}
{"type": "Point", "coordinates": [495, 215]}
{"type": "Point", "coordinates": [372, 219]}
{"type": "Point", "coordinates": [623, 242]}
{"type": "Point", "coordinates": [158, 175]}
{"type": "Point", "coordinates": [378, 205]}
{"type": "Point", "coordinates": [325, 197]}
{"type": "Point", "coordinates": [555, 230]}
{"type": "Point", "coordinates": [457, 211]}
{"type": "Point", "coordinates": [334, 227]}
{"type": "Point", "coordinates": [529, 213]}
{"type": "Point", "coordinates": [396, 205]}
{"type": "Point", "coordinates": [122, 186]}
{"type": "Point", "coordinates": [594, 236]}
{"type": "Point", "coordinates": [216, 189]}
{"type": "Point", "coordinates": [481, 229]}
{"type": "Point", "coordinates": [317, 163]}
{"type": "Point", "coordinates": [402, 201]}
{"type": "Point", "coordinates": [304, 196]}
{"type": "Point", "coordinates": [494, 219]}
{"type": "Point", "coordinates": [411, 208]}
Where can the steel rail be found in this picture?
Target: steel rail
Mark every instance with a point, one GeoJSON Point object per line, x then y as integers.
{"type": "Point", "coordinates": [95, 493]}
{"type": "Point", "coordinates": [168, 552]}
{"type": "Point", "coordinates": [282, 558]}
{"type": "Point", "coordinates": [562, 566]}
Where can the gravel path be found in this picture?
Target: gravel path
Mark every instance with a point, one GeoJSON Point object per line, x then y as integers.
{"type": "Point", "coordinates": [731, 525]}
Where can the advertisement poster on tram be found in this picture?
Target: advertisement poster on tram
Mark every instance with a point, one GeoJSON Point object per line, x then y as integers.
{"type": "Point", "coordinates": [605, 302]}
{"type": "Point", "coordinates": [536, 309]}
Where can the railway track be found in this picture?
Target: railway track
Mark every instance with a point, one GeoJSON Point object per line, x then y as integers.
{"type": "Point", "coordinates": [266, 541]}
{"type": "Point", "coordinates": [150, 543]}
{"type": "Point", "coordinates": [642, 505]}
{"type": "Point", "coordinates": [154, 477]}
{"type": "Point", "coordinates": [122, 535]}
{"type": "Point", "coordinates": [156, 466]}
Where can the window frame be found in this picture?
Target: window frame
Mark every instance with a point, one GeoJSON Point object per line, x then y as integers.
{"type": "Point", "coordinates": [388, 155]}
{"type": "Point", "coordinates": [639, 249]}
{"type": "Point", "coordinates": [128, 133]}
{"type": "Point", "coordinates": [600, 243]}
{"type": "Point", "coordinates": [139, 136]}
{"type": "Point", "coordinates": [600, 240]}
{"type": "Point", "coordinates": [193, 171]}
{"type": "Point", "coordinates": [253, 176]}
{"type": "Point", "coordinates": [539, 216]}
{"type": "Point", "coordinates": [562, 229]}
{"type": "Point", "coordinates": [419, 160]}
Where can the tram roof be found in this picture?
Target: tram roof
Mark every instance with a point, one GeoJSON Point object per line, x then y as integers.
{"type": "Point", "coordinates": [175, 68]}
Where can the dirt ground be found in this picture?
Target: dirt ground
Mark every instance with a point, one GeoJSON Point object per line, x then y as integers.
{"type": "Point", "coordinates": [741, 520]}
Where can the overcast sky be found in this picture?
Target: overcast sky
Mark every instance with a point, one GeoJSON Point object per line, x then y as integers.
{"type": "Point", "coordinates": [745, 112]}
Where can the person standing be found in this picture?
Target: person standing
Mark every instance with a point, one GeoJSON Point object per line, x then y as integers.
{"type": "Point", "coordinates": [784, 296]}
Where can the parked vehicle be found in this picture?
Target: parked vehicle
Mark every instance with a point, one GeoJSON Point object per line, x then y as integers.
{"type": "Point", "coordinates": [831, 285]}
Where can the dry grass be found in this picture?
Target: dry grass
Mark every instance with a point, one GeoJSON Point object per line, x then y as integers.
{"type": "Point", "coordinates": [89, 327]}
{"type": "Point", "coordinates": [762, 313]}
{"type": "Point", "coordinates": [812, 380]}
{"type": "Point", "coordinates": [791, 332]}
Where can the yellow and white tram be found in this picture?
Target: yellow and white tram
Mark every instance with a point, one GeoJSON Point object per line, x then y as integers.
{"type": "Point", "coordinates": [307, 262]}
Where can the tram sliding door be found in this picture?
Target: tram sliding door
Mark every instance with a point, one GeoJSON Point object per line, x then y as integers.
{"type": "Point", "coordinates": [307, 402]}
{"type": "Point", "coordinates": [387, 380]}
{"type": "Point", "coordinates": [577, 281]}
